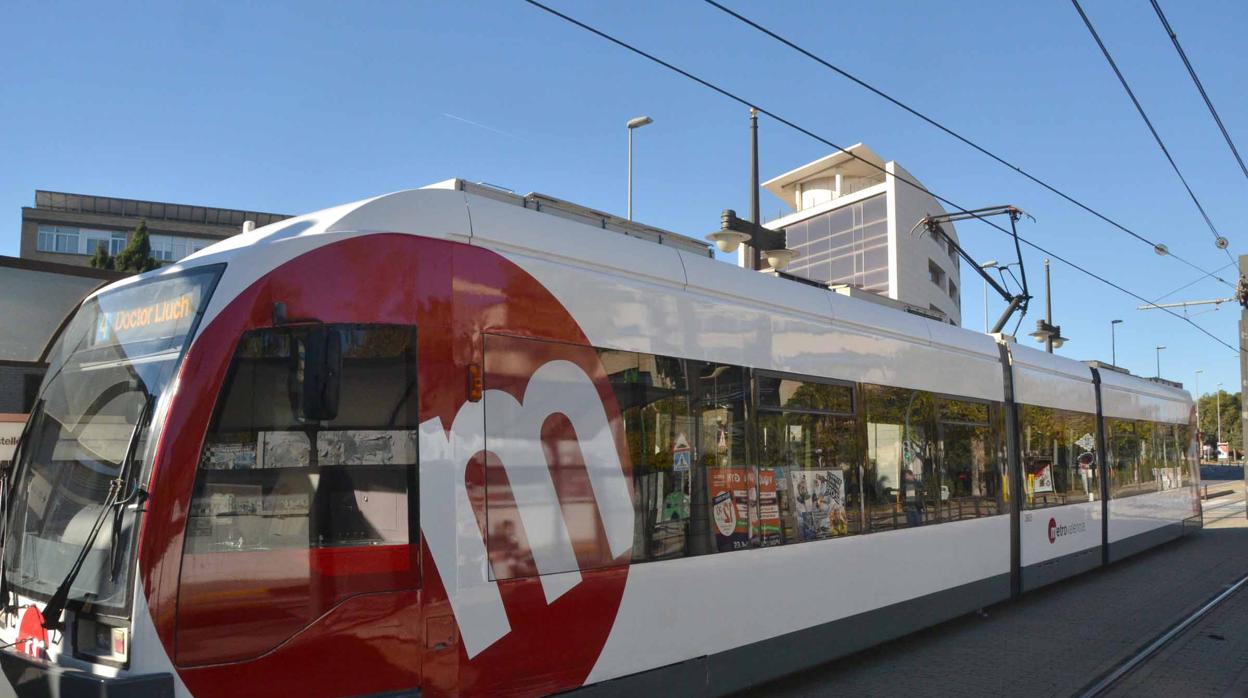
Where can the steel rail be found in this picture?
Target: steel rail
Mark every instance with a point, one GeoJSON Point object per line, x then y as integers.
{"type": "Point", "coordinates": [1109, 680]}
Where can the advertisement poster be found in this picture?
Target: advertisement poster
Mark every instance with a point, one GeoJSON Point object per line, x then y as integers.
{"type": "Point", "coordinates": [283, 449]}
{"type": "Point", "coordinates": [768, 507]}
{"type": "Point", "coordinates": [229, 456]}
{"type": "Point", "coordinates": [819, 503]}
{"type": "Point", "coordinates": [734, 507]}
{"type": "Point", "coordinates": [1042, 472]}
{"type": "Point", "coordinates": [365, 447]}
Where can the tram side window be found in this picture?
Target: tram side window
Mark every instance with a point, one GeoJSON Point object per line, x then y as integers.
{"type": "Point", "coordinates": [1125, 456]}
{"type": "Point", "coordinates": [653, 396]}
{"type": "Point", "coordinates": [1187, 451]}
{"type": "Point", "coordinates": [901, 482]}
{"type": "Point", "coordinates": [1059, 457]}
{"type": "Point", "coordinates": [1170, 454]}
{"type": "Point", "coordinates": [809, 479]}
{"type": "Point", "coordinates": [724, 497]}
{"type": "Point", "coordinates": [1152, 453]}
{"type": "Point", "coordinates": [970, 457]}
{"type": "Point", "coordinates": [268, 478]}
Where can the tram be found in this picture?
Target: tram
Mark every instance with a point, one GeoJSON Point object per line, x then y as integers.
{"type": "Point", "coordinates": [449, 441]}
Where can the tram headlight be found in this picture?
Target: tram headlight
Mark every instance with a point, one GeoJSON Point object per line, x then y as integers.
{"type": "Point", "coordinates": [101, 641]}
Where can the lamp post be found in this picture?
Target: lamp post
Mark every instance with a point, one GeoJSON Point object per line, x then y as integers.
{"type": "Point", "coordinates": [633, 124]}
{"type": "Point", "coordinates": [990, 264]}
{"type": "Point", "coordinates": [1113, 343]}
{"type": "Point", "coordinates": [1046, 332]}
{"type": "Point", "coordinates": [1159, 360]}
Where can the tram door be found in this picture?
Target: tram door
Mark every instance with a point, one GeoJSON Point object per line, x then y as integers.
{"type": "Point", "coordinates": [305, 506]}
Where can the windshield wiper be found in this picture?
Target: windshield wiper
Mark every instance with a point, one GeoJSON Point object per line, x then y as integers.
{"type": "Point", "coordinates": [133, 494]}
{"type": "Point", "coordinates": [55, 608]}
{"type": "Point", "coordinates": [8, 479]}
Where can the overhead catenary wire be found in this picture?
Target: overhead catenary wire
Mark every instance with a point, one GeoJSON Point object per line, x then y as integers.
{"type": "Point", "coordinates": [1174, 38]}
{"type": "Point", "coordinates": [1193, 282]}
{"type": "Point", "coordinates": [741, 100]}
{"type": "Point", "coordinates": [1148, 122]}
{"type": "Point", "coordinates": [964, 139]}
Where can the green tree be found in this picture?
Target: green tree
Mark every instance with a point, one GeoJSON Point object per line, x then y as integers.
{"type": "Point", "coordinates": [1232, 427]}
{"type": "Point", "coordinates": [101, 259]}
{"type": "Point", "coordinates": [137, 256]}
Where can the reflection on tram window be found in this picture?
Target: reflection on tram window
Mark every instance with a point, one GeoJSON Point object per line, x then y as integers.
{"type": "Point", "coordinates": [901, 483]}
{"type": "Point", "coordinates": [653, 395]}
{"type": "Point", "coordinates": [724, 498]}
{"type": "Point", "coordinates": [1148, 457]}
{"type": "Point", "coordinates": [1188, 448]}
{"type": "Point", "coordinates": [1060, 462]}
{"type": "Point", "coordinates": [810, 455]}
{"type": "Point", "coordinates": [970, 461]}
{"type": "Point", "coordinates": [268, 479]}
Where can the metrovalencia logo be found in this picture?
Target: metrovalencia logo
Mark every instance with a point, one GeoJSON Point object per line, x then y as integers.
{"type": "Point", "coordinates": [458, 546]}
{"type": "Point", "coordinates": [1058, 531]}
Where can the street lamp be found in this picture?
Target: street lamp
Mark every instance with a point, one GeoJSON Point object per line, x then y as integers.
{"type": "Point", "coordinates": [1159, 360]}
{"type": "Point", "coordinates": [1047, 333]}
{"type": "Point", "coordinates": [990, 264]}
{"type": "Point", "coordinates": [1113, 344]}
{"type": "Point", "coordinates": [633, 124]}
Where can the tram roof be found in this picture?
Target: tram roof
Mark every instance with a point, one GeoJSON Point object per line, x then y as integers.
{"type": "Point", "coordinates": [558, 231]}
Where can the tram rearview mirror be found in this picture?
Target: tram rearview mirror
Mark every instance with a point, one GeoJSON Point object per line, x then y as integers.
{"type": "Point", "coordinates": [316, 377]}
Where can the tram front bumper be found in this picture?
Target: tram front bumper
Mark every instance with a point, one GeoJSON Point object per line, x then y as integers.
{"type": "Point", "coordinates": [34, 678]}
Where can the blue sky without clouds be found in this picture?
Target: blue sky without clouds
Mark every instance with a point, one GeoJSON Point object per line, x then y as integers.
{"type": "Point", "coordinates": [291, 107]}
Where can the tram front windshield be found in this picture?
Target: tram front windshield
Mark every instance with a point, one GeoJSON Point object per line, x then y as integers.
{"type": "Point", "coordinates": [89, 434]}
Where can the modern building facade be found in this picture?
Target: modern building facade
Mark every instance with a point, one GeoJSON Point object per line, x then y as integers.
{"type": "Point", "coordinates": [67, 228]}
{"type": "Point", "coordinates": [852, 225]}
{"type": "Point", "coordinates": [59, 234]}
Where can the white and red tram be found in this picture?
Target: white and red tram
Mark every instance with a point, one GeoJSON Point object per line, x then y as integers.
{"type": "Point", "coordinates": [436, 443]}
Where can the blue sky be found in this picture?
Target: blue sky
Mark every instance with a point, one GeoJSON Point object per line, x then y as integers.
{"type": "Point", "coordinates": [295, 106]}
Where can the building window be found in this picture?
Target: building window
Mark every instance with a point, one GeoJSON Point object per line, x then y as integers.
{"type": "Point", "coordinates": [56, 238]}
{"type": "Point", "coordinates": [113, 241]}
{"type": "Point", "coordinates": [953, 293]}
{"type": "Point", "coordinates": [936, 273]}
{"type": "Point", "coordinates": [171, 248]}
{"type": "Point", "coordinates": [847, 245]}
{"type": "Point", "coordinates": [85, 241]}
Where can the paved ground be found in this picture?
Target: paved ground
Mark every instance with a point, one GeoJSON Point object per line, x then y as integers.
{"type": "Point", "coordinates": [1209, 659]}
{"type": "Point", "coordinates": [1061, 639]}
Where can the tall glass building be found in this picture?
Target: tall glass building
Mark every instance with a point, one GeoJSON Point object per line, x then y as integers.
{"type": "Point", "coordinates": [851, 226]}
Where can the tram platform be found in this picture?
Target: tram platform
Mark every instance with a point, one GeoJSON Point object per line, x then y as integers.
{"type": "Point", "coordinates": [1062, 639]}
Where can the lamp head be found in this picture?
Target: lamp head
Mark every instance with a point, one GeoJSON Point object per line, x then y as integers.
{"type": "Point", "coordinates": [727, 240]}
{"type": "Point", "coordinates": [779, 259]}
{"type": "Point", "coordinates": [639, 121]}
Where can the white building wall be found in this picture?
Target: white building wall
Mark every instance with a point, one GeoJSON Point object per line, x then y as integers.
{"type": "Point", "coordinates": [913, 285]}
